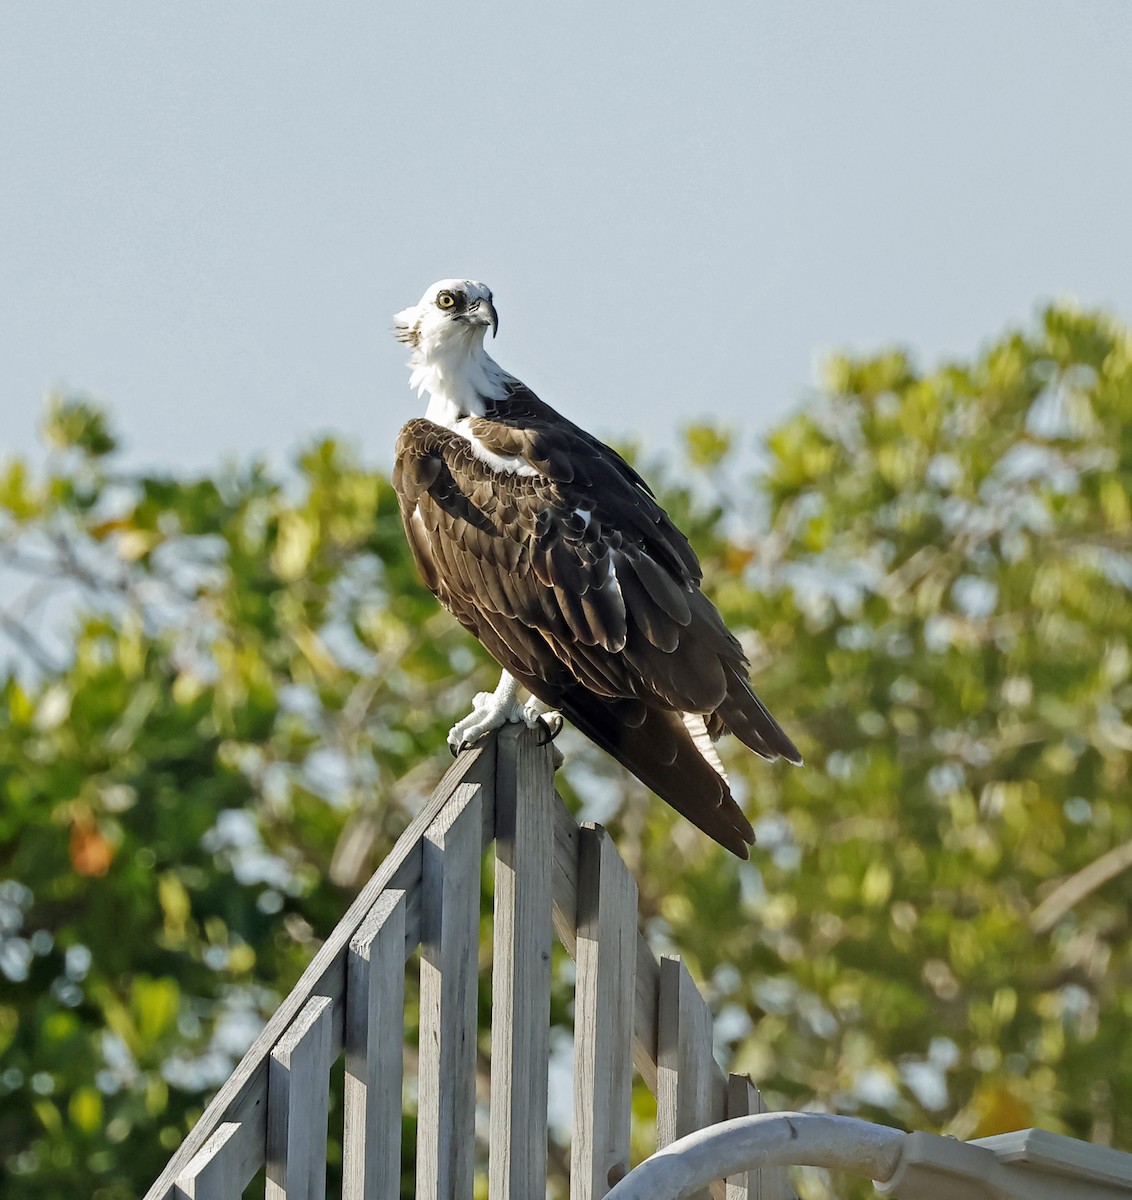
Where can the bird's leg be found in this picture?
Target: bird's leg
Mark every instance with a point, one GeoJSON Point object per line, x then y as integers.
{"type": "Point", "coordinates": [491, 711]}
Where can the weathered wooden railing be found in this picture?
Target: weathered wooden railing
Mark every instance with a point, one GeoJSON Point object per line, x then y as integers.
{"type": "Point", "coordinates": [629, 1010]}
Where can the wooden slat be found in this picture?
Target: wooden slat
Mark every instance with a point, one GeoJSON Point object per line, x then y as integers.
{"type": "Point", "coordinates": [565, 910]}
{"type": "Point", "coordinates": [684, 1056]}
{"type": "Point", "coordinates": [217, 1170]}
{"type": "Point", "coordinates": [646, 1021]}
{"type": "Point", "coordinates": [450, 918]}
{"type": "Point", "coordinates": [298, 1100]}
{"type": "Point", "coordinates": [566, 853]}
{"type": "Point", "coordinates": [375, 1034]}
{"type": "Point", "coordinates": [604, 1002]}
{"type": "Point", "coordinates": [520, 1013]}
{"type": "Point", "coordinates": [243, 1097]}
{"type": "Point", "coordinates": [769, 1183]}
{"type": "Point", "coordinates": [566, 839]}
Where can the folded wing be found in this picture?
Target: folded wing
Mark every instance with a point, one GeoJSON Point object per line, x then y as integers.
{"type": "Point", "coordinates": [551, 550]}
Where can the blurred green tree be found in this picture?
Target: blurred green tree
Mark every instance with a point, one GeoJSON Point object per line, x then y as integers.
{"type": "Point", "coordinates": [931, 573]}
{"type": "Point", "coordinates": [190, 780]}
{"type": "Point", "coordinates": [936, 928]}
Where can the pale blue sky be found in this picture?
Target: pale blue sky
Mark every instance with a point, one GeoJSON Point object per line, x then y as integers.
{"type": "Point", "coordinates": [209, 211]}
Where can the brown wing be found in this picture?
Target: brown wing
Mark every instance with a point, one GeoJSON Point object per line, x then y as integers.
{"type": "Point", "coordinates": [578, 583]}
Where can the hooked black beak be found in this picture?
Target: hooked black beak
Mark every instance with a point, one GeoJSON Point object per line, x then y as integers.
{"type": "Point", "coordinates": [483, 313]}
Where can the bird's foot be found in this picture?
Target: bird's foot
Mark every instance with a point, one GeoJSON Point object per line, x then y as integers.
{"type": "Point", "coordinates": [490, 712]}
{"type": "Point", "coordinates": [493, 710]}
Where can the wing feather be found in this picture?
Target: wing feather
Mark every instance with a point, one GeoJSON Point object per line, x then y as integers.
{"type": "Point", "coordinates": [579, 584]}
{"type": "Point", "coordinates": [661, 588]}
{"type": "Point", "coordinates": [660, 629]}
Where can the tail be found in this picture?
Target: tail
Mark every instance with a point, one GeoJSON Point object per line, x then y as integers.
{"type": "Point", "coordinates": [744, 714]}
{"type": "Point", "coordinates": [657, 746]}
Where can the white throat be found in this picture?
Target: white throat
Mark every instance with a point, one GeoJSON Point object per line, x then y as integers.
{"type": "Point", "coordinates": [458, 375]}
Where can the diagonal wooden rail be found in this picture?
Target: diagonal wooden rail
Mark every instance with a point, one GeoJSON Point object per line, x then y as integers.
{"type": "Point", "coordinates": [630, 1010]}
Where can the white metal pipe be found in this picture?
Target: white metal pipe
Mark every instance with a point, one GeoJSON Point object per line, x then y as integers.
{"type": "Point", "coordinates": [764, 1140]}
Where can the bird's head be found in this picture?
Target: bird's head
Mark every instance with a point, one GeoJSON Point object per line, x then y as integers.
{"type": "Point", "coordinates": [451, 316]}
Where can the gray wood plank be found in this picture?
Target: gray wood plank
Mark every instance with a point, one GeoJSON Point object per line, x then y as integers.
{"type": "Point", "coordinates": [217, 1170]}
{"type": "Point", "coordinates": [646, 1018]}
{"type": "Point", "coordinates": [565, 882]}
{"type": "Point", "coordinates": [566, 843]}
{"type": "Point", "coordinates": [242, 1098]}
{"type": "Point", "coordinates": [684, 1056]}
{"type": "Point", "coordinates": [604, 1002]}
{"type": "Point", "coordinates": [768, 1183]}
{"type": "Point", "coordinates": [1057, 1156]}
{"type": "Point", "coordinates": [374, 1037]}
{"type": "Point", "coordinates": [450, 915]}
{"type": "Point", "coordinates": [298, 1099]}
{"type": "Point", "coordinates": [520, 1015]}
{"type": "Point", "coordinates": [566, 839]}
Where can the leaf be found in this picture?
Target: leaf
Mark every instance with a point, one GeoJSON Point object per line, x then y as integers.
{"type": "Point", "coordinates": [85, 1109]}
{"type": "Point", "coordinates": [154, 1003]}
{"type": "Point", "coordinates": [707, 445]}
{"type": "Point", "coordinates": [17, 492]}
{"type": "Point", "coordinates": [73, 423]}
{"type": "Point", "coordinates": [175, 904]}
{"type": "Point", "coordinates": [999, 1109]}
{"type": "Point", "coordinates": [91, 852]}
{"type": "Point", "coordinates": [294, 546]}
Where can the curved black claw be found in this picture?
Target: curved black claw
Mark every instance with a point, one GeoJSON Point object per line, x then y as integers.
{"type": "Point", "coordinates": [549, 729]}
{"type": "Point", "coordinates": [458, 750]}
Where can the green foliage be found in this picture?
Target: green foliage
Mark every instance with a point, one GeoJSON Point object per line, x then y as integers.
{"type": "Point", "coordinates": [940, 610]}
{"type": "Point", "coordinates": [248, 712]}
{"type": "Point", "coordinates": [75, 424]}
{"type": "Point", "coordinates": [932, 578]}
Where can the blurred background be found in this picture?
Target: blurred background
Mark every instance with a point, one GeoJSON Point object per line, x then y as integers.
{"type": "Point", "coordinates": [852, 285]}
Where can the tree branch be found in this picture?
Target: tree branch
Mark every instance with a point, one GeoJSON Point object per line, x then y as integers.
{"type": "Point", "coordinates": [1073, 890]}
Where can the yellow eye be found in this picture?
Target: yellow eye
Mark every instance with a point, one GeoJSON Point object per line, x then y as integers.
{"type": "Point", "coordinates": [445, 300]}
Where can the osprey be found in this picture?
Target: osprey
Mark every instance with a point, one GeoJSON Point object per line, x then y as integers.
{"type": "Point", "coordinates": [548, 547]}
